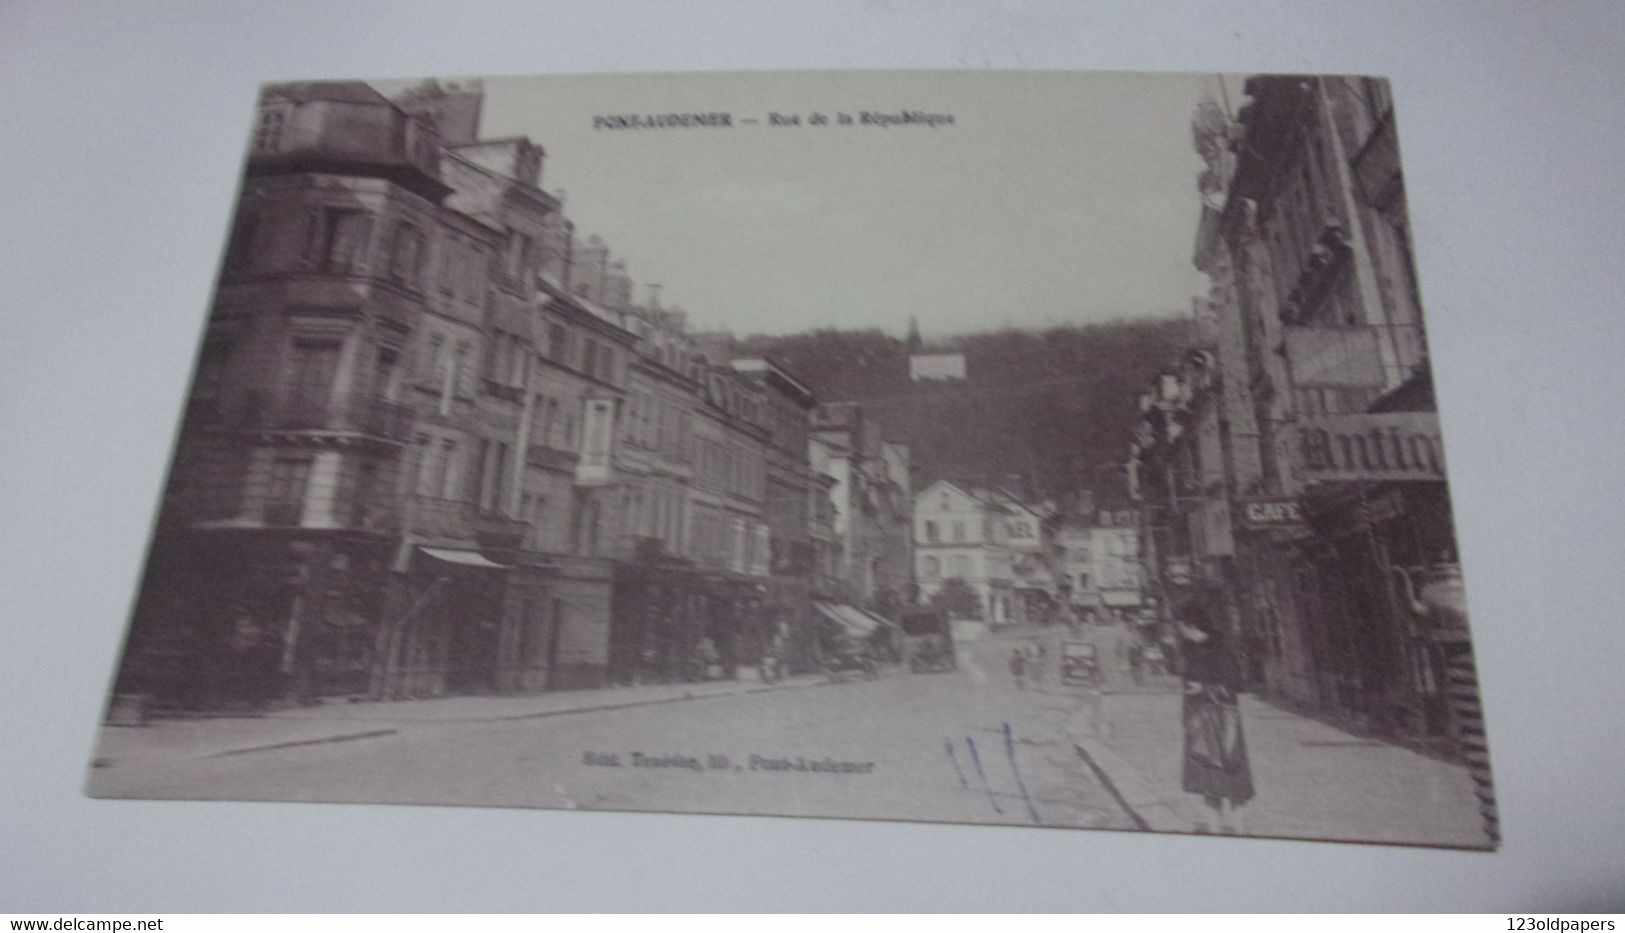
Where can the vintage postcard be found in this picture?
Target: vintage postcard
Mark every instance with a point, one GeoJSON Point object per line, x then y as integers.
{"type": "Point", "coordinates": [1042, 449]}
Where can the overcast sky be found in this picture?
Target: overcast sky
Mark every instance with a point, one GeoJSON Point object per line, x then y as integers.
{"type": "Point", "coordinates": [1053, 198]}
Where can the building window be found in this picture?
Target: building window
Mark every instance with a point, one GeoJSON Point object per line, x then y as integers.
{"type": "Point", "coordinates": [518, 259]}
{"type": "Point", "coordinates": [454, 374]}
{"type": "Point", "coordinates": [589, 357]}
{"type": "Point", "coordinates": [383, 373]}
{"type": "Point", "coordinates": [472, 260]}
{"type": "Point", "coordinates": [268, 132]}
{"type": "Point", "coordinates": [444, 263]}
{"type": "Point", "coordinates": [312, 368]}
{"type": "Point", "coordinates": [558, 343]}
{"type": "Point", "coordinates": [449, 473]}
{"type": "Point", "coordinates": [405, 255]}
{"type": "Point", "coordinates": [285, 494]}
{"type": "Point", "coordinates": [493, 475]}
{"type": "Point", "coordinates": [336, 239]}
{"type": "Point", "coordinates": [429, 371]}
{"type": "Point", "coordinates": [959, 532]}
{"type": "Point", "coordinates": [932, 568]}
{"type": "Point", "coordinates": [519, 375]}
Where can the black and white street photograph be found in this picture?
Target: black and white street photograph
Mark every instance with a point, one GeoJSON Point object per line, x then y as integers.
{"type": "Point", "coordinates": [1042, 449]}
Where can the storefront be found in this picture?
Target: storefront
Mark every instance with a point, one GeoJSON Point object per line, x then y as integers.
{"type": "Point", "coordinates": [228, 618]}
{"type": "Point", "coordinates": [1377, 508]}
{"type": "Point", "coordinates": [673, 622]}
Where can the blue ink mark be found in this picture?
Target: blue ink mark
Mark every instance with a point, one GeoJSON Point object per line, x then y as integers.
{"type": "Point", "coordinates": [977, 760]}
{"type": "Point", "coordinates": [949, 745]}
{"type": "Point", "coordinates": [1010, 750]}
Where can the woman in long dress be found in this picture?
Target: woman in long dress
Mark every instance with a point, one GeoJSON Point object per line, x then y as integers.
{"type": "Point", "coordinates": [1215, 765]}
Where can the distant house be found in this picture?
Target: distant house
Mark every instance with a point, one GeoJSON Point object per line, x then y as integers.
{"type": "Point", "coordinates": [1099, 559]}
{"type": "Point", "coordinates": [987, 538]}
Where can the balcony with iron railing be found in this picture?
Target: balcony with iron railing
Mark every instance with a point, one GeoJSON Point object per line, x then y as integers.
{"type": "Point", "coordinates": [312, 411]}
{"type": "Point", "coordinates": [1312, 400]}
{"type": "Point", "coordinates": [462, 520]}
{"type": "Point", "coordinates": [434, 517]}
{"type": "Point", "coordinates": [493, 529]}
{"type": "Point", "coordinates": [501, 390]}
{"type": "Point", "coordinates": [283, 514]}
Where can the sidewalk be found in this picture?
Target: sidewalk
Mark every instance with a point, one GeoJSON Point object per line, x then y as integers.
{"type": "Point", "coordinates": [338, 721]}
{"type": "Point", "coordinates": [1312, 780]}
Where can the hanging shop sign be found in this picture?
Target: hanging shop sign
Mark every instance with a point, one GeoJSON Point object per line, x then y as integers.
{"type": "Point", "coordinates": [1372, 447]}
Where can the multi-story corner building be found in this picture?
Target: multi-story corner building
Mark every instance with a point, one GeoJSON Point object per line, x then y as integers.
{"type": "Point", "coordinates": [873, 506]}
{"type": "Point", "coordinates": [398, 472]}
{"type": "Point", "coordinates": [657, 439]}
{"type": "Point", "coordinates": [789, 508]}
{"type": "Point", "coordinates": [1331, 483]}
{"type": "Point", "coordinates": [821, 533]}
{"type": "Point", "coordinates": [660, 593]}
{"type": "Point", "coordinates": [283, 539]}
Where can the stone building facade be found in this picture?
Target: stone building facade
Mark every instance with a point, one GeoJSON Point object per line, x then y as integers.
{"type": "Point", "coordinates": [1294, 458]}
{"type": "Point", "coordinates": [433, 447]}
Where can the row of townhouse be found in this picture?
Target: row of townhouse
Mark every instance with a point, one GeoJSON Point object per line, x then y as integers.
{"type": "Point", "coordinates": [1289, 466]}
{"type": "Point", "coordinates": [433, 446]}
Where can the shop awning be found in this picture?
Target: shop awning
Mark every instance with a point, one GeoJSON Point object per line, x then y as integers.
{"type": "Point", "coordinates": [878, 620]}
{"type": "Point", "coordinates": [857, 624]}
{"type": "Point", "coordinates": [462, 558]}
{"type": "Point", "coordinates": [1121, 598]}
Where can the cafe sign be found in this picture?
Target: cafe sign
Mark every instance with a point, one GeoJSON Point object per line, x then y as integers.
{"type": "Point", "coordinates": [1272, 513]}
{"type": "Point", "coordinates": [1373, 447]}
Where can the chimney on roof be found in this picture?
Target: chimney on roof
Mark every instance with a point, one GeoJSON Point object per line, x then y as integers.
{"type": "Point", "coordinates": [453, 110]}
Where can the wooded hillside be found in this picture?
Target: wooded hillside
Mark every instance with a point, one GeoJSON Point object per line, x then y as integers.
{"type": "Point", "coordinates": [1052, 406]}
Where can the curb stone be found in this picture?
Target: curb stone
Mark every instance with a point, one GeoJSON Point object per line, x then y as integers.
{"type": "Point", "coordinates": [295, 743]}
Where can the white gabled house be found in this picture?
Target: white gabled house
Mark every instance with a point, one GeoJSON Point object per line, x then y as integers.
{"type": "Point", "coordinates": [966, 533]}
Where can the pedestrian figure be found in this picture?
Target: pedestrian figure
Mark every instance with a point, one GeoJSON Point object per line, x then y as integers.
{"type": "Point", "coordinates": [1216, 764]}
{"type": "Point", "coordinates": [1136, 664]}
{"type": "Point", "coordinates": [1156, 659]}
{"type": "Point", "coordinates": [1018, 668]}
